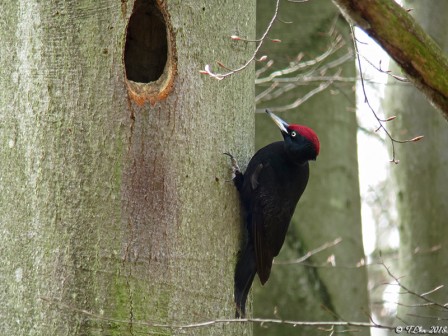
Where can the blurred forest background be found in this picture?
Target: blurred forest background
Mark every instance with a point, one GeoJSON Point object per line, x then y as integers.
{"type": "Point", "coordinates": [312, 78]}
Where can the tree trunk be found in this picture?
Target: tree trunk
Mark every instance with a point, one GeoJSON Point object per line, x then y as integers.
{"type": "Point", "coordinates": [114, 209]}
{"type": "Point", "coordinates": [330, 206]}
{"type": "Point", "coordinates": [421, 180]}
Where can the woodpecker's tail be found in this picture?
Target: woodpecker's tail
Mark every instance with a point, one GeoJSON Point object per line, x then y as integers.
{"type": "Point", "coordinates": [244, 275]}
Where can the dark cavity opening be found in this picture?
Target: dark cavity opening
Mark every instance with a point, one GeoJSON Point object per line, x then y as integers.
{"type": "Point", "coordinates": [146, 48]}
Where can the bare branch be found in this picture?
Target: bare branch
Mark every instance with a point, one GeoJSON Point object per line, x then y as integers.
{"type": "Point", "coordinates": [380, 120]}
{"type": "Point", "coordinates": [428, 317]}
{"type": "Point", "coordinates": [220, 76]}
{"type": "Point", "coordinates": [298, 65]}
{"type": "Point", "coordinates": [281, 85]}
{"type": "Point", "coordinates": [432, 290]}
{"type": "Point", "coordinates": [300, 73]}
{"type": "Point", "coordinates": [208, 323]}
{"type": "Point", "coordinates": [387, 72]}
{"type": "Point", "coordinates": [301, 100]}
{"type": "Point", "coordinates": [310, 253]}
{"type": "Point", "coordinates": [411, 292]}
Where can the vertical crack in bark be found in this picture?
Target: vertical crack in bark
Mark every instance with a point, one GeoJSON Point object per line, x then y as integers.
{"type": "Point", "coordinates": [150, 205]}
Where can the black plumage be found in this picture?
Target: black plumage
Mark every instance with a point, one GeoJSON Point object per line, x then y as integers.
{"type": "Point", "coordinates": [270, 188]}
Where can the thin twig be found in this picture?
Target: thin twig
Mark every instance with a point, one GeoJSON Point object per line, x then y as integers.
{"type": "Point", "coordinates": [280, 86]}
{"type": "Point", "coordinates": [306, 80]}
{"type": "Point", "coordinates": [218, 321]}
{"type": "Point", "coordinates": [297, 66]}
{"type": "Point", "coordinates": [366, 100]}
{"type": "Point", "coordinates": [264, 68]}
{"type": "Point", "coordinates": [287, 79]}
{"type": "Point", "coordinates": [300, 100]}
{"type": "Point", "coordinates": [432, 290]}
{"type": "Point", "coordinates": [221, 76]}
{"type": "Point", "coordinates": [411, 292]}
{"type": "Point", "coordinates": [309, 254]}
{"type": "Point", "coordinates": [436, 318]}
{"type": "Point", "coordinates": [387, 72]}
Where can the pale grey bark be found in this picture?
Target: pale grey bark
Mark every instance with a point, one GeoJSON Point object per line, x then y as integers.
{"type": "Point", "coordinates": [106, 206]}
{"type": "Point", "coordinates": [330, 206]}
{"type": "Point", "coordinates": [421, 182]}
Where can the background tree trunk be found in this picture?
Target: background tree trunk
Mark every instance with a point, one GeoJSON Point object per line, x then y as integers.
{"type": "Point", "coordinates": [421, 180]}
{"type": "Point", "coordinates": [330, 207]}
{"type": "Point", "coordinates": [111, 207]}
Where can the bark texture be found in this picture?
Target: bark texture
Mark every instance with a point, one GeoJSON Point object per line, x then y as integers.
{"type": "Point", "coordinates": [423, 61]}
{"type": "Point", "coordinates": [421, 180]}
{"type": "Point", "coordinates": [115, 213]}
{"type": "Point", "coordinates": [330, 206]}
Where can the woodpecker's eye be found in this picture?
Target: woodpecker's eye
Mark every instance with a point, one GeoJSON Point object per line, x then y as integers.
{"type": "Point", "coordinates": [293, 134]}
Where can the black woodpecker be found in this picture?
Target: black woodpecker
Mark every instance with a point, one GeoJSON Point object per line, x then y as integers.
{"type": "Point", "coordinates": [269, 189]}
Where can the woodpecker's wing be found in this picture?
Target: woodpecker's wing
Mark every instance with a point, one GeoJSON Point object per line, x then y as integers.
{"type": "Point", "coordinates": [263, 255]}
{"type": "Point", "coordinates": [266, 224]}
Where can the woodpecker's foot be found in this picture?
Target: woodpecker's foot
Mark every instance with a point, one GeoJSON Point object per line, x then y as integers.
{"type": "Point", "coordinates": [235, 168]}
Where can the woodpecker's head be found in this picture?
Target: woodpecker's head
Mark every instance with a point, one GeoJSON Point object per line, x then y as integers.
{"type": "Point", "coordinates": [301, 142]}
